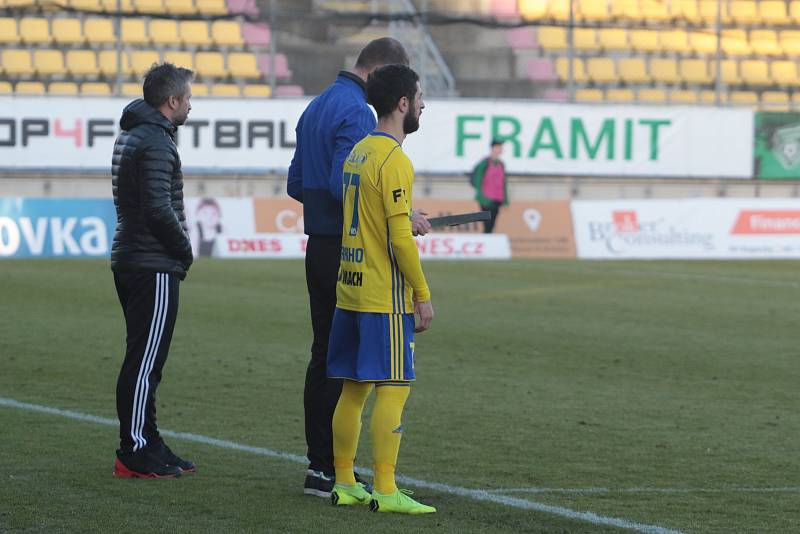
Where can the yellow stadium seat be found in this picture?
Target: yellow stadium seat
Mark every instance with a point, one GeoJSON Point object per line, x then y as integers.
{"type": "Point", "coordinates": [730, 71]}
{"type": "Point", "coordinates": [784, 72]}
{"type": "Point", "coordinates": [164, 32]}
{"type": "Point", "coordinates": [584, 39]}
{"type": "Point", "coordinates": [149, 6]}
{"type": "Point", "coordinates": [775, 98]}
{"type": "Point", "coordinates": [99, 31]}
{"type": "Point", "coordinates": [645, 40]}
{"type": "Point", "coordinates": [633, 70]}
{"type": "Point", "coordinates": [199, 89]}
{"type": "Point", "coordinates": [735, 43]}
{"type": "Point", "coordinates": [589, 95]}
{"type": "Point", "coordinates": [708, 11]}
{"type": "Point", "coordinates": [743, 97]}
{"type": "Point", "coordinates": [592, 10]}
{"type": "Point", "coordinates": [625, 9]}
{"type": "Point", "coordinates": [225, 89]}
{"type": "Point", "coordinates": [34, 30]}
{"type": "Point", "coordinates": [107, 60]}
{"type": "Point", "coordinates": [195, 33]}
{"type": "Point", "coordinates": [685, 10]}
{"type": "Point", "coordinates": [95, 88]}
{"type": "Point", "coordinates": [30, 88]}
{"type": "Point", "coordinates": [226, 33]}
{"type": "Point", "coordinates": [62, 88]}
{"type": "Point", "coordinates": [180, 59]}
{"type": "Point", "coordinates": [765, 43]}
{"type": "Point", "coordinates": [652, 95]}
{"type": "Point", "coordinates": [8, 30]}
{"type": "Point", "coordinates": [134, 31]}
{"type": "Point", "coordinates": [773, 11]}
{"type": "Point", "coordinates": [87, 5]}
{"type": "Point", "coordinates": [794, 11]}
{"type": "Point", "coordinates": [533, 9]}
{"type": "Point", "coordinates": [142, 60]}
{"type": "Point", "coordinates": [125, 6]}
{"type": "Point", "coordinates": [262, 91]}
{"type": "Point", "coordinates": [578, 71]}
{"type": "Point", "coordinates": [552, 38]}
{"type": "Point", "coordinates": [243, 65]}
{"type": "Point", "coordinates": [745, 12]}
{"type": "Point", "coordinates": [613, 38]}
{"type": "Point", "coordinates": [754, 72]}
{"type": "Point", "coordinates": [710, 97]}
{"type": "Point", "coordinates": [212, 7]}
{"type": "Point", "coordinates": [695, 71]}
{"type": "Point", "coordinates": [131, 89]}
{"type": "Point", "coordinates": [619, 95]}
{"type": "Point", "coordinates": [601, 69]}
{"type": "Point", "coordinates": [654, 10]}
{"type": "Point", "coordinates": [17, 62]}
{"type": "Point", "coordinates": [675, 41]}
{"type": "Point", "coordinates": [68, 31]}
{"type": "Point", "coordinates": [703, 42]}
{"type": "Point", "coordinates": [664, 70]}
{"type": "Point", "coordinates": [682, 96]}
{"type": "Point", "coordinates": [558, 10]}
{"type": "Point", "coordinates": [210, 64]}
{"type": "Point", "coordinates": [82, 63]}
{"type": "Point", "coordinates": [790, 42]}
{"type": "Point", "coordinates": [49, 62]}
{"type": "Point", "coordinates": [180, 7]}
{"type": "Point", "coordinates": [5, 88]}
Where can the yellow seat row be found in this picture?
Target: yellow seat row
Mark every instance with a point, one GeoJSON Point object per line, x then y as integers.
{"type": "Point", "coordinates": [175, 7]}
{"type": "Point", "coordinates": [764, 12]}
{"type": "Point", "coordinates": [603, 70]}
{"type": "Point", "coordinates": [735, 42]}
{"type": "Point", "coordinates": [770, 99]}
{"type": "Point", "coordinates": [83, 63]}
{"type": "Point", "coordinates": [128, 89]}
{"type": "Point", "coordinates": [135, 31]}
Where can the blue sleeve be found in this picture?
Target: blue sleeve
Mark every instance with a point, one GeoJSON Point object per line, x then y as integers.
{"type": "Point", "coordinates": [294, 181]}
{"type": "Point", "coordinates": [357, 124]}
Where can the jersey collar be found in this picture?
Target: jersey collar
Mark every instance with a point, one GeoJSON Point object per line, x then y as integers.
{"type": "Point", "coordinates": [384, 134]}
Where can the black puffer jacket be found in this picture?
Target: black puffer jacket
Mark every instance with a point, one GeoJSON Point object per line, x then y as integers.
{"type": "Point", "coordinates": [148, 194]}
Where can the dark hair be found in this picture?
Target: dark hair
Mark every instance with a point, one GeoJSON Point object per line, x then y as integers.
{"type": "Point", "coordinates": [387, 85]}
{"type": "Point", "coordinates": [380, 52]}
{"type": "Point", "coordinates": [164, 80]}
{"type": "Point", "coordinates": [496, 142]}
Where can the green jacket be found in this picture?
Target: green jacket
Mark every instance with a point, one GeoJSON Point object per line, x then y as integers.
{"type": "Point", "coordinates": [478, 173]}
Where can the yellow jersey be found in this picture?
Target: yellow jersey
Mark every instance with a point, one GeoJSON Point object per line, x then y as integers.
{"type": "Point", "coordinates": [378, 179]}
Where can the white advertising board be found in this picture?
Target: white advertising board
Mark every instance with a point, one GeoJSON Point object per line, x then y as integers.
{"type": "Point", "coordinates": [692, 228]}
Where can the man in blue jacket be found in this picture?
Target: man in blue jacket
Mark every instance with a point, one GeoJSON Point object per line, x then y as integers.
{"type": "Point", "coordinates": [327, 131]}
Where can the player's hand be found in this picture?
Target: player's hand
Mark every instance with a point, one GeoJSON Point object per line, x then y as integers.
{"type": "Point", "coordinates": [419, 222]}
{"type": "Point", "coordinates": [423, 310]}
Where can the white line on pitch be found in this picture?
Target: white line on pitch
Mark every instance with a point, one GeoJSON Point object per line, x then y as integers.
{"type": "Point", "coordinates": [474, 494]}
{"type": "Point", "coordinates": [732, 489]}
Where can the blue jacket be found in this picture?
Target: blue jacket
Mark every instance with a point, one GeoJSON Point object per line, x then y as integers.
{"type": "Point", "coordinates": [327, 131]}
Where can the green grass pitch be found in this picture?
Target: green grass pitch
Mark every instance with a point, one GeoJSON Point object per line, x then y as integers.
{"type": "Point", "coordinates": [657, 393]}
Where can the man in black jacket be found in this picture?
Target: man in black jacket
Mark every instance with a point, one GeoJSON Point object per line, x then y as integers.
{"type": "Point", "coordinates": [150, 255]}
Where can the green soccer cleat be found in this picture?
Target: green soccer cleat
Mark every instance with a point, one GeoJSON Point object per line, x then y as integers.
{"type": "Point", "coordinates": [342, 495]}
{"type": "Point", "coordinates": [400, 502]}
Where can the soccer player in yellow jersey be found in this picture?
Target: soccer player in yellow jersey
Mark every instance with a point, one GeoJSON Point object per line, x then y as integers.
{"type": "Point", "coordinates": [380, 289]}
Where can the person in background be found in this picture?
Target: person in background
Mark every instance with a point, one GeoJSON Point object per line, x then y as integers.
{"type": "Point", "coordinates": [490, 183]}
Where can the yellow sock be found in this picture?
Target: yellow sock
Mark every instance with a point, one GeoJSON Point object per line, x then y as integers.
{"type": "Point", "coordinates": [386, 433]}
{"type": "Point", "coordinates": [347, 427]}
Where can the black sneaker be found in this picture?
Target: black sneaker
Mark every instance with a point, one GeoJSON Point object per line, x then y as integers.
{"type": "Point", "coordinates": [367, 485]}
{"type": "Point", "coordinates": [318, 484]}
{"type": "Point", "coordinates": [170, 458]}
{"type": "Point", "coordinates": [142, 464]}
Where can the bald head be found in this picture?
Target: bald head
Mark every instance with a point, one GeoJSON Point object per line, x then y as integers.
{"type": "Point", "coordinates": [380, 52]}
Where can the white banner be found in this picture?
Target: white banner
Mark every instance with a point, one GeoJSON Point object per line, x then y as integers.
{"type": "Point", "coordinates": [694, 228]}
{"type": "Point", "coordinates": [284, 246]}
{"type": "Point", "coordinates": [230, 135]}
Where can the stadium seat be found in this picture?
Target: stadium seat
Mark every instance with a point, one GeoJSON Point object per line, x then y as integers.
{"type": "Point", "coordinates": [773, 11]}
{"type": "Point", "coordinates": [625, 10]}
{"type": "Point", "coordinates": [180, 7]}
{"type": "Point", "coordinates": [142, 60]}
{"type": "Point", "coordinates": [180, 59]}
{"type": "Point", "coordinates": [794, 11]}
{"type": "Point", "coordinates": [654, 10]}
{"type": "Point", "coordinates": [210, 64]}
{"type": "Point", "coordinates": [729, 69]}
{"type": "Point", "coordinates": [62, 88]}
{"type": "Point", "coordinates": [225, 89]}
{"type": "Point", "coordinates": [131, 89]}
{"type": "Point", "coordinates": [125, 6]}
{"type": "Point", "coordinates": [134, 31]}
{"type": "Point", "coordinates": [613, 38]}
{"type": "Point", "coordinates": [745, 12]}
{"type": "Point", "coordinates": [29, 88]}
{"type": "Point", "coordinates": [584, 39]}
{"type": "Point", "coordinates": [682, 96]}
{"type": "Point", "coordinates": [619, 95]}
{"type": "Point", "coordinates": [754, 72]}
{"type": "Point", "coordinates": [17, 62]}
{"type": "Point", "coordinates": [703, 42]}
{"type": "Point", "coordinates": [95, 88]}
{"type": "Point", "coordinates": [257, 91]}
{"type": "Point", "coordinates": [589, 95]}
{"type": "Point", "coordinates": [552, 38]}
{"type": "Point", "coordinates": [8, 30]}
{"type": "Point", "coordinates": [199, 89]}
{"type": "Point", "coordinates": [710, 97]}
{"type": "Point", "coordinates": [775, 99]}
{"type": "Point", "coordinates": [164, 32]}
{"type": "Point", "coordinates": [664, 70]}
{"type": "Point", "coordinates": [82, 63]}
{"type": "Point", "coordinates": [107, 60]}
{"type": "Point", "coordinates": [562, 69]}
{"type": "Point", "coordinates": [645, 40]}
{"type": "Point", "coordinates": [743, 97]}
{"type": "Point", "coordinates": [633, 70]}
{"type": "Point", "coordinates": [212, 7]}
{"type": "Point", "coordinates": [685, 10]}
{"type": "Point", "coordinates": [592, 10]}
{"type": "Point", "coordinates": [49, 62]}
{"type": "Point", "coordinates": [195, 33]}
{"type": "Point", "coordinates": [765, 43]}
{"type": "Point", "coordinates": [86, 5]}
{"type": "Point", "coordinates": [533, 9]}
{"type": "Point", "coordinates": [695, 71]}
{"type": "Point", "coordinates": [226, 33]}
{"type": "Point", "coordinates": [735, 43]}
{"type": "Point", "coordinates": [784, 72]}
{"type": "Point", "coordinates": [34, 30]}
{"type": "Point", "coordinates": [243, 65]}
{"type": "Point", "coordinates": [99, 31]}
{"type": "Point", "coordinates": [5, 88]}
{"type": "Point", "coordinates": [601, 69]}
{"type": "Point", "coordinates": [708, 11]}
{"type": "Point", "coordinates": [790, 42]}
{"type": "Point", "coordinates": [652, 95]}
{"type": "Point", "coordinates": [676, 41]}
{"type": "Point", "coordinates": [68, 31]}
{"type": "Point", "coordinates": [149, 6]}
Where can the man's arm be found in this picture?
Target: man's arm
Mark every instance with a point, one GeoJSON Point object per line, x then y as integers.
{"type": "Point", "coordinates": [407, 255]}
{"type": "Point", "coordinates": [294, 182]}
{"type": "Point", "coordinates": [354, 128]}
